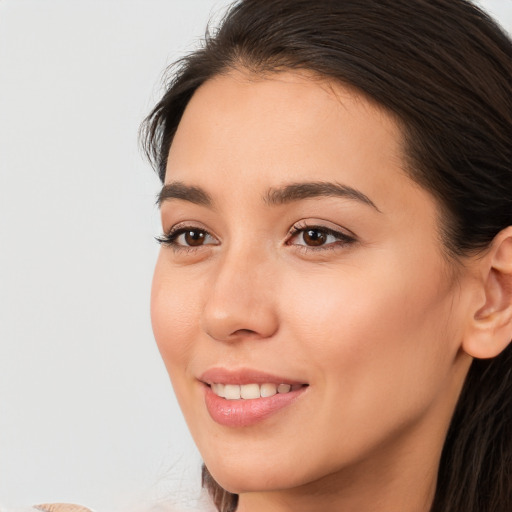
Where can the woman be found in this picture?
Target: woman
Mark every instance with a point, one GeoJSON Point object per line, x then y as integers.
{"type": "Point", "coordinates": [333, 296]}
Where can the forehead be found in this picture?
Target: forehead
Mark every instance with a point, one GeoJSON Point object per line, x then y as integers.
{"type": "Point", "coordinates": [289, 119]}
{"type": "Point", "coordinates": [287, 124]}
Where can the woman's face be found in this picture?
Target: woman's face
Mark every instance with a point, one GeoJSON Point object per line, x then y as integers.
{"type": "Point", "coordinates": [303, 269]}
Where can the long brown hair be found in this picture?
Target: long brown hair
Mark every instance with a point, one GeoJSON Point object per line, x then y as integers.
{"type": "Point", "coordinates": [444, 69]}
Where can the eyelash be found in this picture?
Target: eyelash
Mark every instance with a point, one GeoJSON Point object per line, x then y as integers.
{"type": "Point", "coordinates": [170, 238]}
{"type": "Point", "coordinates": [342, 239]}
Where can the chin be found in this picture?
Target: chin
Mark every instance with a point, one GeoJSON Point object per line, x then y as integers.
{"type": "Point", "coordinates": [251, 476]}
{"type": "Point", "coordinates": [251, 481]}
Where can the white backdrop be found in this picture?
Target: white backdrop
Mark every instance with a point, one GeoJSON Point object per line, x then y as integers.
{"type": "Point", "coordinates": [86, 411]}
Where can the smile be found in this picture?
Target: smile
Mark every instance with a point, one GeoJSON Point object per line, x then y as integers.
{"type": "Point", "coordinates": [244, 397]}
{"type": "Point", "coordinates": [251, 391]}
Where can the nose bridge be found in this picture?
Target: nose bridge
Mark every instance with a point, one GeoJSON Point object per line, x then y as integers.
{"type": "Point", "coordinates": [240, 302]}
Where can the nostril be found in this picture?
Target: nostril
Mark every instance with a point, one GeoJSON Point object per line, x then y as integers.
{"type": "Point", "coordinates": [226, 317]}
{"type": "Point", "coordinates": [245, 332]}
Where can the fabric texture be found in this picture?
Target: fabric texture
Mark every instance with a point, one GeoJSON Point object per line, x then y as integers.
{"type": "Point", "coordinates": [61, 507]}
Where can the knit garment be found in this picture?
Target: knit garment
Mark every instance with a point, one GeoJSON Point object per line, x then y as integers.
{"type": "Point", "coordinates": [61, 507]}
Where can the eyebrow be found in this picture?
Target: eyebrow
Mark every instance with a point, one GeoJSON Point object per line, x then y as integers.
{"type": "Point", "coordinates": [178, 190]}
{"type": "Point", "coordinates": [309, 190]}
{"type": "Point", "coordinates": [274, 197]}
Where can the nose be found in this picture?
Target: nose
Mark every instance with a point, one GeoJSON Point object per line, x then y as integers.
{"type": "Point", "coordinates": [241, 302]}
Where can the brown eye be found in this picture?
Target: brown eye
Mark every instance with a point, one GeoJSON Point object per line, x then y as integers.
{"type": "Point", "coordinates": [319, 237]}
{"type": "Point", "coordinates": [194, 238]}
{"type": "Point", "coordinates": [187, 237]}
{"type": "Point", "coordinates": [314, 237]}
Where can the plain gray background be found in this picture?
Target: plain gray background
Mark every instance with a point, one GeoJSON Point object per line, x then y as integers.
{"type": "Point", "coordinates": [86, 411]}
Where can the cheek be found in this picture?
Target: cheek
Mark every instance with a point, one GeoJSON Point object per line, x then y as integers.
{"type": "Point", "coordinates": [375, 335]}
{"type": "Point", "coordinates": [173, 316]}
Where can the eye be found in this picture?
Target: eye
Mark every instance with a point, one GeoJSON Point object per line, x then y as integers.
{"type": "Point", "coordinates": [192, 238]}
{"type": "Point", "coordinates": [187, 237]}
{"type": "Point", "coordinates": [317, 237]}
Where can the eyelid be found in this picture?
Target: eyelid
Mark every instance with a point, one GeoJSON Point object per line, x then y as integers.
{"type": "Point", "coordinates": [344, 236]}
{"type": "Point", "coordinates": [170, 236]}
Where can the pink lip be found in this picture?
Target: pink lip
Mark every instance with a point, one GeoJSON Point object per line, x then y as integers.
{"type": "Point", "coordinates": [244, 376]}
{"type": "Point", "coordinates": [244, 413]}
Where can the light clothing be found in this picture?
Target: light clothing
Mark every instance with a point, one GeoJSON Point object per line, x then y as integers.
{"type": "Point", "coordinates": [51, 507]}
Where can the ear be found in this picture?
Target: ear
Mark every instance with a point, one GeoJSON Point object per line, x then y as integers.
{"type": "Point", "coordinates": [490, 329]}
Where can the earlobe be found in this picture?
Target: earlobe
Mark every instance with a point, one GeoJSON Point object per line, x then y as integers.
{"type": "Point", "coordinates": [490, 329]}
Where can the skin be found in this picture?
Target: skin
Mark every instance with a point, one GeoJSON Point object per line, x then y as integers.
{"type": "Point", "coordinates": [375, 326]}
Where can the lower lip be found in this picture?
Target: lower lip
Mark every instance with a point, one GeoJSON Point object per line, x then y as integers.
{"type": "Point", "coordinates": [244, 413]}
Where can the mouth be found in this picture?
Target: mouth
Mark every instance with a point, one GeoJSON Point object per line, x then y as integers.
{"type": "Point", "coordinates": [251, 391]}
{"type": "Point", "coordinates": [246, 397]}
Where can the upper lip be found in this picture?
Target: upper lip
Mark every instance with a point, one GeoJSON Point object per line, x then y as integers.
{"type": "Point", "coordinates": [244, 376]}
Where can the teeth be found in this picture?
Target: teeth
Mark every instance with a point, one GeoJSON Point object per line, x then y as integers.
{"type": "Point", "coordinates": [231, 392]}
{"type": "Point", "coordinates": [250, 391]}
{"type": "Point", "coordinates": [268, 390]}
{"type": "Point", "coordinates": [283, 388]}
{"type": "Point", "coordinates": [218, 389]}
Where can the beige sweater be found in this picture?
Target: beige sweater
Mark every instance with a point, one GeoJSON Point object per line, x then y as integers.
{"type": "Point", "coordinates": [52, 507]}
{"type": "Point", "coordinates": [61, 507]}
